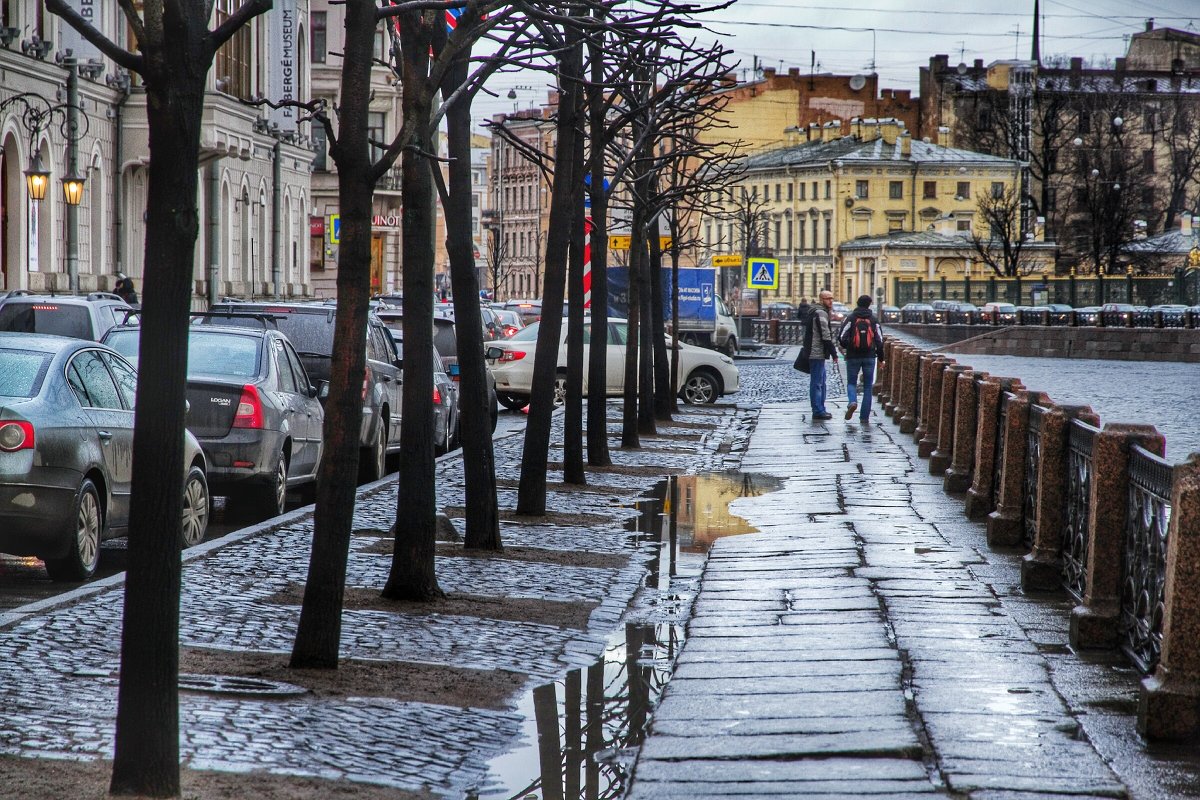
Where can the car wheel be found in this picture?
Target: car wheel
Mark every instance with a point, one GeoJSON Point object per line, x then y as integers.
{"type": "Point", "coordinates": [195, 508]}
{"type": "Point", "coordinates": [372, 461]}
{"type": "Point", "coordinates": [731, 347]}
{"type": "Point", "coordinates": [80, 563]}
{"type": "Point", "coordinates": [560, 390]}
{"type": "Point", "coordinates": [700, 387]}
{"type": "Point", "coordinates": [513, 402]}
{"type": "Point", "coordinates": [270, 500]}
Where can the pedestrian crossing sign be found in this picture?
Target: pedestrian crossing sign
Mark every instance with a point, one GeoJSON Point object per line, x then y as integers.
{"type": "Point", "coordinates": [762, 273]}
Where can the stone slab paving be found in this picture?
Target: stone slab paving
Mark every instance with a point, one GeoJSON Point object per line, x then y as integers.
{"type": "Point", "coordinates": [61, 660]}
{"type": "Point", "coordinates": [848, 650]}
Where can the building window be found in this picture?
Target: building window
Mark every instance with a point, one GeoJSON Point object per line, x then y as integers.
{"type": "Point", "coordinates": [233, 59]}
{"type": "Point", "coordinates": [828, 233]}
{"type": "Point", "coordinates": [1085, 121]}
{"type": "Point", "coordinates": [814, 235]}
{"type": "Point", "coordinates": [828, 190]}
{"type": "Point", "coordinates": [778, 235]}
{"type": "Point", "coordinates": [1148, 162]}
{"type": "Point", "coordinates": [789, 239]}
{"type": "Point", "coordinates": [1148, 197]}
{"type": "Point", "coordinates": [801, 226]}
{"type": "Point", "coordinates": [930, 190]}
{"type": "Point", "coordinates": [895, 224]}
{"type": "Point", "coordinates": [1149, 119]}
{"type": "Point", "coordinates": [790, 192]}
{"type": "Point", "coordinates": [963, 192]}
{"type": "Point", "coordinates": [896, 190]}
{"type": "Point", "coordinates": [317, 42]}
{"type": "Point", "coordinates": [860, 190]}
{"type": "Point", "coordinates": [963, 225]}
{"type": "Point", "coordinates": [997, 190]}
{"type": "Point", "coordinates": [778, 192]}
{"type": "Point", "coordinates": [814, 194]}
{"type": "Point", "coordinates": [801, 187]}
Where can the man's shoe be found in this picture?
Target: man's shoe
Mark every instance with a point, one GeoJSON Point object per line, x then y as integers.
{"type": "Point", "coordinates": [850, 409]}
{"type": "Point", "coordinates": [822, 416]}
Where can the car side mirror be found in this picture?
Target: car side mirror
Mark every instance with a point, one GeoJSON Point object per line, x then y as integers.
{"type": "Point", "coordinates": [492, 353]}
{"type": "Point", "coordinates": [398, 363]}
{"type": "Point", "coordinates": [322, 389]}
{"type": "Point", "coordinates": [312, 391]}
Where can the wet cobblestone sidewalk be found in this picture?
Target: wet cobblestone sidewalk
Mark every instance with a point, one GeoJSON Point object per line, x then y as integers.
{"type": "Point", "coordinates": [61, 662]}
{"type": "Point", "coordinates": [855, 647]}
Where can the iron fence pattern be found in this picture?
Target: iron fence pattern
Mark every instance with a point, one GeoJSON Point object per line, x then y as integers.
{"type": "Point", "coordinates": [1033, 460]}
{"type": "Point", "coordinates": [1144, 565]}
{"type": "Point", "coordinates": [1081, 439]}
{"type": "Point", "coordinates": [998, 454]}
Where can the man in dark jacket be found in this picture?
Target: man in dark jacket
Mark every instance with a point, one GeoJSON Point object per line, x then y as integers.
{"type": "Point", "coordinates": [803, 310]}
{"type": "Point", "coordinates": [861, 339]}
{"type": "Point", "coordinates": [819, 338]}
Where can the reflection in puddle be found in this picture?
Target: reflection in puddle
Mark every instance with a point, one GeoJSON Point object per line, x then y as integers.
{"type": "Point", "coordinates": [580, 735]}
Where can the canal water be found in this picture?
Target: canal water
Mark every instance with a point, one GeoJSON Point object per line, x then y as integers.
{"type": "Point", "coordinates": [580, 734]}
{"type": "Point", "coordinates": [1158, 393]}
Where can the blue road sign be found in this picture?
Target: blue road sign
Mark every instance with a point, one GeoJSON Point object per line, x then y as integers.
{"type": "Point", "coordinates": [762, 273]}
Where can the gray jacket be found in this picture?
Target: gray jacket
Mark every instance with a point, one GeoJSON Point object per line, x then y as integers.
{"type": "Point", "coordinates": [822, 334]}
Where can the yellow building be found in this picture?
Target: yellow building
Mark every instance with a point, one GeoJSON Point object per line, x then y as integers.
{"type": "Point", "coordinates": [801, 203]}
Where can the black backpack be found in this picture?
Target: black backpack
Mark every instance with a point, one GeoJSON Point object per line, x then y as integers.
{"type": "Point", "coordinates": [859, 335]}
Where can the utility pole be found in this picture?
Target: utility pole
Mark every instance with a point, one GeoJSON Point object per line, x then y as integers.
{"type": "Point", "coordinates": [72, 233]}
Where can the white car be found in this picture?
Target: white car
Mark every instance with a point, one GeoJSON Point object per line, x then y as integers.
{"type": "Point", "coordinates": [704, 375]}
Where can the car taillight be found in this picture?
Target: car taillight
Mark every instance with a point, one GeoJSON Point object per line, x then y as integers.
{"type": "Point", "coordinates": [510, 330]}
{"type": "Point", "coordinates": [437, 396]}
{"type": "Point", "coordinates": [16, 436]}
{"type": "Point", "coordinates": [249, 410]}
{"type": "Point", "coordinates": [512, 355]}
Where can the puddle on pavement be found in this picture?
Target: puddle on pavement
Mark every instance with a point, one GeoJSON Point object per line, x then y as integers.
{"type": "Point", "coordinates": [580, 734]}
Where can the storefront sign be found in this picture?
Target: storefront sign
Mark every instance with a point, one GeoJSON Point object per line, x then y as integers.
{"type": "Point", "coordinates": [316, 226]}
{"type": "Point", "coordinates": [387, 221]}
{"type": "Point", "coordinates": [282, 75]}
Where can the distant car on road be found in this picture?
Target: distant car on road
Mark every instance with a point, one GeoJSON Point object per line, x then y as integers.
{"type": "Point", "coordinates": [704, 375]}
{"type": "Point", "coordinates": [999, 313]}
{"type": "Point", "coordinates": [66, 454]}
{"type": "Point", "coordinates": [78, 316]}
{"type": "Point", "coordinates": [253, 409]}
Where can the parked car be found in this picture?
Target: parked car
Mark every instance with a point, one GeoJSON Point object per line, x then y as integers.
{"type": "Point", "coordinates": [704, 375]}
{"type": "Point", "coordinates": [889, 314]}
{"type": "Point", "coordinates": [445, 400]}
{"type": "Point", "coordinates": [1088, 315]}
{"type": "Point", "coordinates": [510, 321]}
{"type": "Point", "coordinates": [78, 316]}
{"type": "Point", "coordinates": [445, 342]}
{"type": "Point", "coordinates": [1117, 313]}
{"type": "Point", "coordinates": [999, 313]}
{"type": "Point", "coordinates": [253, 409]}
{"type": "Point", "coordinates": [914, 312]}
{"type": "Point", "coordinates": [66, 453]}
{"type": "Point", "coordinates": [779, 310]}
{"type": "Point", "coordinates": [309, 327]}
{"type": "Point", "coordinates": [838, 312]}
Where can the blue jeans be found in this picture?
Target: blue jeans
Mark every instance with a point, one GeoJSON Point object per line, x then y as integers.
{"type": "Point", "coordinates": [867, 365]}
{"type": "Point", "coordinates": [816, 385]}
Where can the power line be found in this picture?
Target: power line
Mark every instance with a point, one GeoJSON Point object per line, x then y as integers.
{"type": "Point", "coordinates": [944, 12]}
{"type": "Point", "coordinates": [848, 29]}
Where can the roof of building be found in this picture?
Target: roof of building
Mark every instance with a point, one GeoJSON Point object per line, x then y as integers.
{"type": "Point", "coordinates": [853, 149]}
{"type": "Point", "coordinates": [1171, 242]}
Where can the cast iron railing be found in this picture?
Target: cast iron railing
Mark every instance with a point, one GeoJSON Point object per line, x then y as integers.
{"type": "Point", "coordinates": [1081, 439]}
{"type": "Point", "coordinates": [1033, 456]}
{"type": "Point", "coordinates": [1144, 566]}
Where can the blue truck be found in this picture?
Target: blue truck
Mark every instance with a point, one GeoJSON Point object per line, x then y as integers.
{"type": "Point", "coordinates": [704, 319]}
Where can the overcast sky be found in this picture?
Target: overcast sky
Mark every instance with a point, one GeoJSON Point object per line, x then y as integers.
{"type": "Point", "coordinates": [783, 33]}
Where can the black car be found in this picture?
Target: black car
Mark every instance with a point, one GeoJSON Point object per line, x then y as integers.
{"type": "Point", "coordinates": [253, 409]}
{"type": "Point", "coordinates": [309, 327]}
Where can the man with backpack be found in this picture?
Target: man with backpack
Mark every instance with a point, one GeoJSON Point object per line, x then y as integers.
{"type": "Point", "coordinates": [861, 339]}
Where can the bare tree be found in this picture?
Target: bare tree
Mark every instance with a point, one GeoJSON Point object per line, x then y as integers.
{"type": "Point", "coordinates": [1179, 126]}
{"type": "Point", "coordinates": [175, 51]}
{"type": "Point", "coordinates": [997, 238]}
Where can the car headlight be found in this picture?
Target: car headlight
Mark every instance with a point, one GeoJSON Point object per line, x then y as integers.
{"type": "Point", "coordinates": [726, 359]}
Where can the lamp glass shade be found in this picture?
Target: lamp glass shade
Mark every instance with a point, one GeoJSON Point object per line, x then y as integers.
{"type": "Point", "coordinates": [36, 179]}
{"type": "Point", "coordinates": [72, 189]}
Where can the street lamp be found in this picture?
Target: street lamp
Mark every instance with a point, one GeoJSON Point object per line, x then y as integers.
{"type": "Point", "coordinates": [73, 189]}
{"type": "Point", "coordinates": [36, 178]}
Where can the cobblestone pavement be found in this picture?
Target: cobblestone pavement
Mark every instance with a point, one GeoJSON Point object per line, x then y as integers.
{"type": "Point", "coordinates": [61, 660]}
{"type": "Point", "coordinates": [856, 645]}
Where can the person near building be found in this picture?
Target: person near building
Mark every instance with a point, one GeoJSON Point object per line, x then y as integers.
{"type": "Point", "coordinates": [124, 289]}
{"type": "Point", "coordinates": [802, 310]}
{"type": "Point", "coordinates": [861, 339]}
{"type": "Point", "coordinates": [822, 348]}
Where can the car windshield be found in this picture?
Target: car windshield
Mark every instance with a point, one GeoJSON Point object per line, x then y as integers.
{"type": "Point", "coordinates": [309, 333]}
{"type": "Point", "coordinates": [528, 334]}
{"type": "Point", "coordinates": [209, 353]}
{"type": "Point", "coordinates": [46, 317]}
{"type": "Point", "coordinates": [21, 372]}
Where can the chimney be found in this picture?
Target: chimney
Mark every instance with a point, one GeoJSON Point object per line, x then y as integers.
{"type": "Point", "coordinates": [792, 135]}
{"type": "Point", "coordinates": [768, 72]}
{"type": "Point", "coordinates": [979, 65]}
{"type": "Point", "coordinates": [1185, 224]}
{"type": "Point", "coordinates": [1150, 24]}
{"type": "Point", "coordinates": [832, 131]}
{"type": "Point", "coordinates": [946, 225]}
{"type": "Point", "coordinates": [814, 131]}
{"type": "Point", "coordinates": [1119, 64]}
{"type": "Point", "coordinates": [793, 72]}
{"type": "Point", "coordinates": [1076, 71]}
{"type": "Point", "coordinates": [889, 129]}
{"type": "Point", "coordinates": [905, 140]}
{"type": "Point", "coordinates": [943, 139]}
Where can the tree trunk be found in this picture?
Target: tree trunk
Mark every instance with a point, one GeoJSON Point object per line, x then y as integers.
{"type": "Point", "coordinates": [531, 493]}
{"type": "Point", "coordinates": [319, 631]}
{"type": "Point", "coordinates": [629, 410]}
{"type": "Point", "coordinates": [645, 416]}
{"type": "Point", "coordinates": [573, 411]}
{"type": "Point", "coordinates": [412, 576]}
{"type": "Point", "coordinates": [675, 323]}
{"type": "Point", "coordinates": [664, 389]}
{"type": "Point", "coordinates": [597, 429]}
{"type": "Point", "coordinates": [475, 429]}
{"type": "Point", "coordinates": [146, 748]}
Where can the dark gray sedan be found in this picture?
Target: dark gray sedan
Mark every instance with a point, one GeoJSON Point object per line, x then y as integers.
{"type": "Point", "coordinates": [66, 453]}
{"type": "Point", "coordinates": [253, 408]}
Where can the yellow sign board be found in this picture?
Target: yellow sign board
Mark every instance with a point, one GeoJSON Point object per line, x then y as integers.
{"type": "Point", "coordinates": [624, 242]}
{"type": "Point", "coordinates": [727, 261]}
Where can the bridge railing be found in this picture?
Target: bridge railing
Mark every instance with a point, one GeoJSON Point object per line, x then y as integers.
{"type": "Point", "coordinates": [1099, 512]}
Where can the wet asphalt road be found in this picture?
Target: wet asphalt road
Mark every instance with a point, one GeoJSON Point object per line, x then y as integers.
{"type": "Point", "coordinates": [24, 579]}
